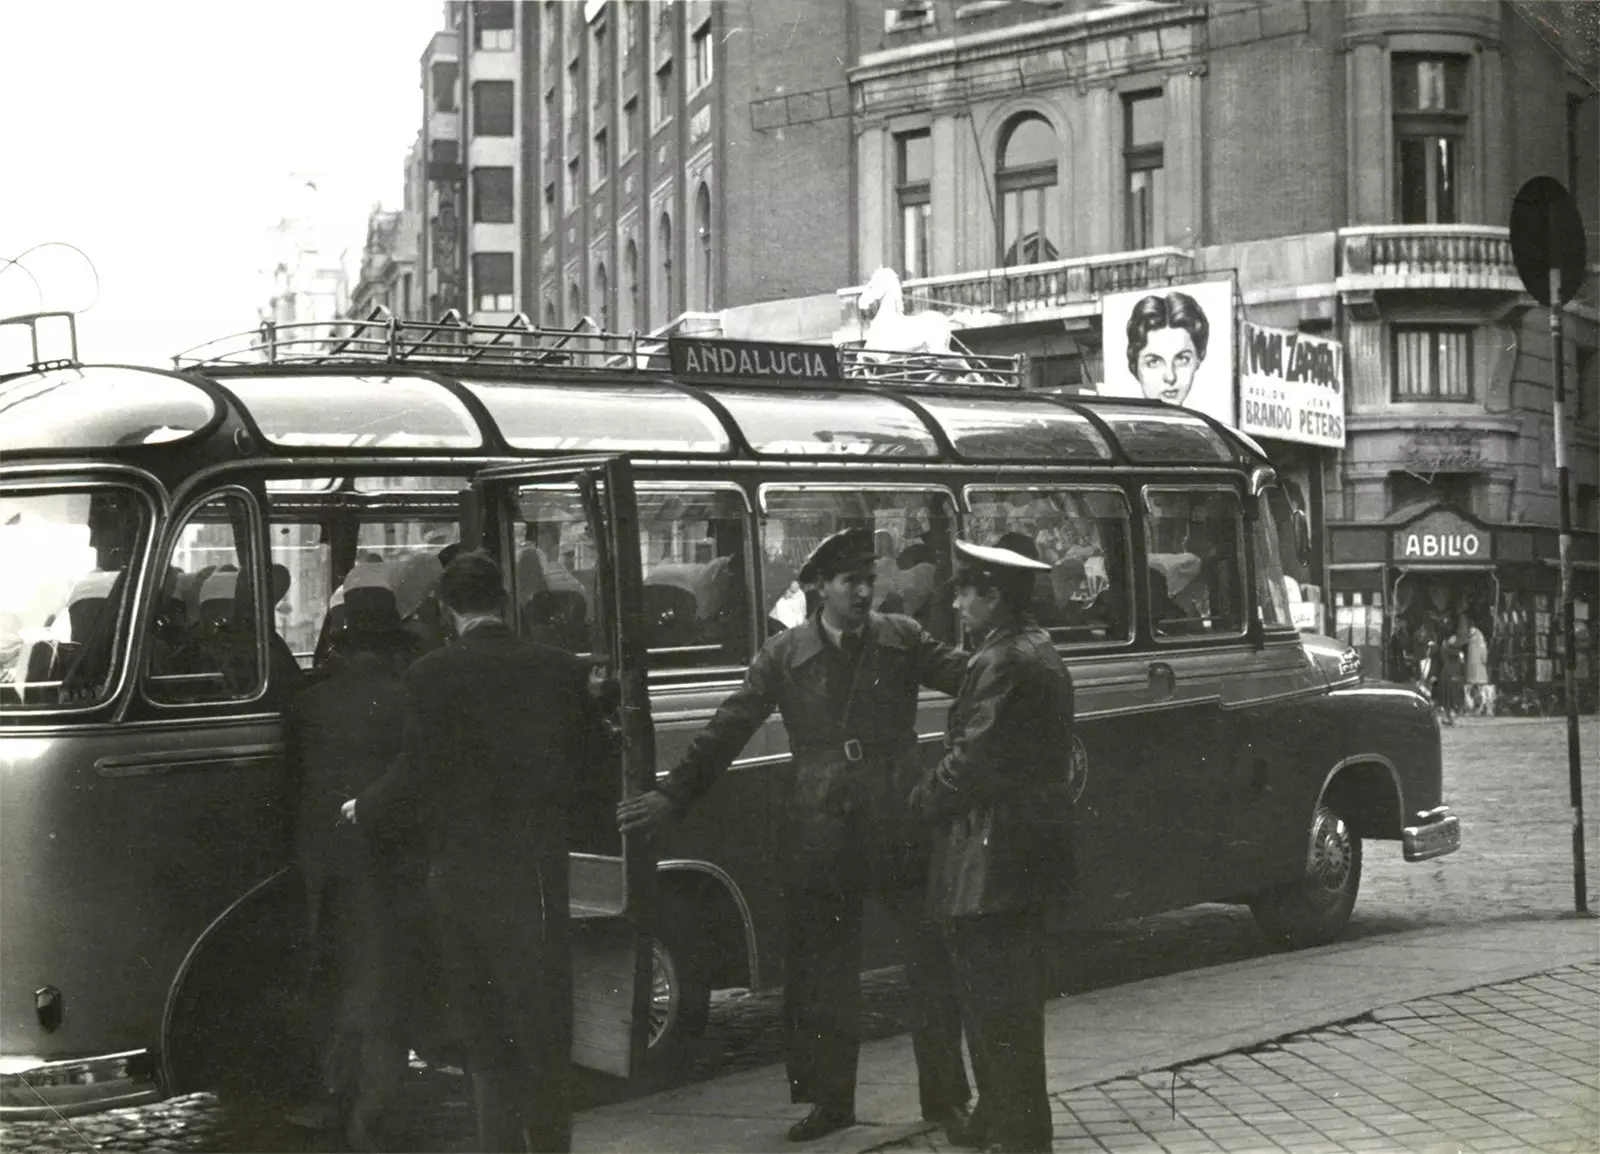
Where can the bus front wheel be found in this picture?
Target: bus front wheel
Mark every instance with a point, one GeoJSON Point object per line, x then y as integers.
{"type": "Point", "coordinates": [680, 991]}
{"type": "Point", "coordinates": [1314, 909]}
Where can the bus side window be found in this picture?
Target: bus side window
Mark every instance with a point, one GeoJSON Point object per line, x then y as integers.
{"type": "Point", "coordinates": [206, 646]}
{"type": "Point", "coordinates": [913, 529]}
{"type": "Point", "coordinates": [1195, 541]}
{"type": "Point", "coordinates": [697, 588]}
{"type": "Point", "coordinates": [1083, 534]}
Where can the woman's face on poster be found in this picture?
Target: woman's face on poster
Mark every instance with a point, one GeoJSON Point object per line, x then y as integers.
{"type": "Point", "coordinates": [1167, 365]}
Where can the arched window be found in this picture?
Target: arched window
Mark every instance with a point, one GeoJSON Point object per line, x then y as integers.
{"type": "Point", "coordinates": [702, 231]}
{"type": "Point", "coordinates": [1025, 187]}
{"type": "Point", "coordinates": [630, 288]}
{"type": "Point", "coordinates": [662, 297]}
{"type": "Point", "coordinates": [550, 320]}
{"type": "Point", "coordinates": [574, 305]}
{"type": "Point", "coordinates": [602, 294]}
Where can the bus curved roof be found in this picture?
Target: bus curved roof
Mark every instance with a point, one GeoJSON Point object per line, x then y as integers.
{"type": "Point", "coordinates": [423, 409]}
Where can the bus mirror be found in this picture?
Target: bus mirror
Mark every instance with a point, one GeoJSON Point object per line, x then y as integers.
{"type": "Point", "coordinates": [1302, 536]}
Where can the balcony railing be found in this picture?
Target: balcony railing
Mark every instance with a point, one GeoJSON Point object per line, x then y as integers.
{"type": "Point", "coordinates": [1418, 256]}
{"type": "Point", "coordinates": [1034, 291]}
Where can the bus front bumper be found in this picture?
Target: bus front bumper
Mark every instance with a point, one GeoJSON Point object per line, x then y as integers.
{"type": "Point", "coordinates": [37, 1088]}
{"type": "Point", "coordinates": [1436, 833]}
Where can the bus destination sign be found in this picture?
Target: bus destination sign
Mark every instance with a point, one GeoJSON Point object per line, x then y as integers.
{"type": "Point", "coordinates": [701, 357]}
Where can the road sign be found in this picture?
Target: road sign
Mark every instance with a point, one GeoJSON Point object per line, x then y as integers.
{"type": "Point", "coordinates": [1546, 234]}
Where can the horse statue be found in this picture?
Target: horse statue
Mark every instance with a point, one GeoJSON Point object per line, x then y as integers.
{"type": "Point", "coordinates": [891, 328]}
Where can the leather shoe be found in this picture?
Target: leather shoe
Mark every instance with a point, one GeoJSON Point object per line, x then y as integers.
{"type": "Point", "coordinates": [962, 1127]}
{"type": "Point", "coordinates": [822, 1120]}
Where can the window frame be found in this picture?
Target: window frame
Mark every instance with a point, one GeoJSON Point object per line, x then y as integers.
{"type": "Point", "coordinates": [913, 202]}
{"type": "Point", "coordinates": [479, 260]}
{"type": "Point", "coordinates": [1130, 525]}
{"type": "Point", "coordinates": [1022, 184]}
{"type": "Point", "coordinates": [1139, 234]}
{"type": "Point", "coordinates": [1431, 126]}
{"type": "Point", "coordinates": [478, 198]}
{"type": "Point", "coordinates": [702, 55]}
{"type": "Point", "coordinates": [452, 102]}
{"type": "Point", "coordinates": [664, 93]}
{"type": "Point", "coordinates": [1246, 573]}
{"type": "Point", "coordinates": [480, 90]}
{"type": "Point", "coordinates": [251, 562]}
{"type": "Point", "coordinates": [1434, 331]}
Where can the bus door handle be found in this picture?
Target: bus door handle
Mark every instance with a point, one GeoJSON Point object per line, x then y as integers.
{"type": "Point", "coordinates": [1163, 682]}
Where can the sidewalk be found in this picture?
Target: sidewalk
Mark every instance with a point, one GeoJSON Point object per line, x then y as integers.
{"type": "Point", "coordinates": [1094, 1039]}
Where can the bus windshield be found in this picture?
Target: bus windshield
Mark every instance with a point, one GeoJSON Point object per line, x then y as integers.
{"type": "Point", "coordinates": [69, 557]}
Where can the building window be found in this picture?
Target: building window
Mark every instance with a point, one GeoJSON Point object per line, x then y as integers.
{"type": "Point", "coordinates": [630, 287]}
{"type": "Point", "coordinates": [1143, 157]}
{"type": "Point", "coordinates": [570, 95]}
{"type": "Point", "coordinates": [1586, 385]}
{"type": "Point", "coordinates": [491, 196]}
{"type": "Point", "coordinates": [441, 152]}
{"type": "Point", "coordinates": [633, 24]}
{"type": "Point", "coordinates": [493, 25]}
{"type": "Point", "coordinates": [1432, 364]}
{"type": "Point", "coordinates": [493, 108]}
{"type": "Point", "coordinates": [599, 64]}
{"type": "Point", "coordinates": [442, 79]}
{"type": "Point", "coordinates": [550, 318]}
{"type": "Point", "coordinates": [700, 55]}
{"type": "Point", "coordinates": [666, 95]}
{"type": "Point", "coordinates": [663, 15]}
{"type": "Point", "coordinates": [702, 231]}
{"type": "Point", "coordinates": [1430, 125]}
{"type": "Point", "coordinates": [1026, 192]}
{"type": "Point", "coordinates": [663, 288]}
{"type": "Point", "coordinates": [913, 173]}
{"type": "Point", "coordinates": [574, 305]}
{"type": "Point", "coordinates": [549, 116]}
{"type": "Point", "coordinates": [630, 126]}
{"type": "Point", "coordinates": [602, 293]}
{"type": "Point", "coordinates": [574, 188]}
{"type": "Point", "coordinates": [491, 282]}
{"type": "Point", "coordinates": [602, 157]}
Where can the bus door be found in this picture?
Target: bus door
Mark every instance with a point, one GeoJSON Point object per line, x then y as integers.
{"type": "Point", "coordinates": [566, 535]}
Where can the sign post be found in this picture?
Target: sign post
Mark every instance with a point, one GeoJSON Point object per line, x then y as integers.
{"type": "Point", "coordinates": [1547, 245]}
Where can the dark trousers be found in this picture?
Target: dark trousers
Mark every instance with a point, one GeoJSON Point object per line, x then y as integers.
{"type": "Point", "coordinates": [509, 976]}
{"type": "Point", "coordinates": [999, 964]}
{"type": "Point", "coordinates": [822, 1000]}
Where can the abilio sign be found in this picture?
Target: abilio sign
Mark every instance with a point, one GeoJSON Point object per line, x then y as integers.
{"type": "Point", "coordinates": [1441, 536]}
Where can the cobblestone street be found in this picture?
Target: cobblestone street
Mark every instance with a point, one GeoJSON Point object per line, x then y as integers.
{"type": "Point", "coordinates": [1506, 778]}
{"type": "Point", "coordinates": [1510, 1067]}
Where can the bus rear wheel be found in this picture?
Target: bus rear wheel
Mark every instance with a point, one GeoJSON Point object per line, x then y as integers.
{"type": "Point", "coordinates": [680, 991]}
{"type": "Point", "coordinates": [1314, 909]}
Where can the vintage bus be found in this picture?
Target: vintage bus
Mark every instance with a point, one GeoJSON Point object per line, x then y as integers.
{"type": "Point", "coordinates": [171, 535]}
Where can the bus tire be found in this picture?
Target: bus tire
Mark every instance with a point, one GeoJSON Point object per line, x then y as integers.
{"type": "Point", "coordinates": [680, 989]}
{"type": "Point", "coordinates": [1314, 909]}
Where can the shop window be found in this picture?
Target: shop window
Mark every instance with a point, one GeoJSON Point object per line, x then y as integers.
{"type": "Point", "coordinates": [913, 193]}
{"type": "Point", "coordinates": [492, 282]}
{"type": "Point", "coordinates": [1084, 535]}
{"type": "Point", "coordinates": [206, 645]}
{"type": "Point", "coordinates": [1431, 364]}
{"type": "Point", "coordinates": [492, 201]}
{"type": "Point", "coordinates": [493, 108]}
{"type": "Point", "coordinates": [1025, 186]}
{"type": "Point", "coordinates": [913, 529]}
{"type": "Point", "coordinates": [1143, 161]}
{"type": "Point", "coordinates": [64, 602]}
{"type": "Point", "coordinates": [1195, 581]}
{"type": "Point", "coordinates": [1430, 128]}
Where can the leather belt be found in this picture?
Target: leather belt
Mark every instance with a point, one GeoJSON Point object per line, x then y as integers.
{"type": "Point", "coordinates": [856, 750]}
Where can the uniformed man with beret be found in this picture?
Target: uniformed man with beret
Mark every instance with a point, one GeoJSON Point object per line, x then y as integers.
{"type": "Point", "coordinates": [996, 804]}
{"type": "Point", "coordinates": [846, 682]}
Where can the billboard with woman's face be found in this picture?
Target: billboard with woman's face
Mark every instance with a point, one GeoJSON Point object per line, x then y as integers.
{"type": "Point", "coordinates": [1172, 344]}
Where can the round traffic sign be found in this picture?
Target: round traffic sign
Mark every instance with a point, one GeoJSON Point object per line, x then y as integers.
{"type": "Point", "coordinates": [1547, 233]}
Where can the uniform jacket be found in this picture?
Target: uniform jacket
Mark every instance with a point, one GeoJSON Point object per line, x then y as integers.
{"type": "Point", "coordinates": [500, 737]}
{"type": "Point", "coordinates": [997, 801]}
{"type": "Point", "coordinates": [844, 821]}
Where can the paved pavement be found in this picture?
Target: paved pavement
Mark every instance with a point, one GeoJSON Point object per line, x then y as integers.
{"type": "Point", "coordinates": [1486, 1039]}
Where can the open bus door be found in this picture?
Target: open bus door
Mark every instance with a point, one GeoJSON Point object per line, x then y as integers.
{"type": "Point", "coordinates": [566, 535]}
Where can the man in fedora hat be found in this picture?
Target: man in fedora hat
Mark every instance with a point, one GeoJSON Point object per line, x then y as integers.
{"type": "Point", "coordinates": [367, 924]}
{"type": "Point", "coordinates": [996, 806]}
{"type": "Point", "coordinates": [846, 682]}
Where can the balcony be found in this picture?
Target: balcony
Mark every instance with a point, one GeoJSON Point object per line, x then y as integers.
{"type": "Point", "coordinates": [1426, 256]}
{"type": "Point", "coordinates": [1052, 290]}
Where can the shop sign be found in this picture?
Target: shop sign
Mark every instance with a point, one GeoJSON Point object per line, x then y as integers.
{"type": "Point", "coordinates": [1291, 386]}
{"type": "Point", "coordinates": [1443, 451]}
{"type": "Point", "coordinates": [1443, 537]}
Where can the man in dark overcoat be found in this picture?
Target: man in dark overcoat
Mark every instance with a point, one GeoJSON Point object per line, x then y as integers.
{"type": "Point", "coordinates": [496, 730]}
{"type": "Point", "coordinates": [996, 804]}
{"type": "Point", "coordinates": [369, 931]}
{"type": "Point", "coordinates": [846, 682]}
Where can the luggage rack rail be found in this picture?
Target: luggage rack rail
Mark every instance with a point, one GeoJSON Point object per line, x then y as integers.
{"type": "Point", "coordinates": [383, 339]}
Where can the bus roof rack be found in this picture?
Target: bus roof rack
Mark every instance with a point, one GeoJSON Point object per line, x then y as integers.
{"type": "Point", "coordinates": [382, 339]}
{"type": "Point", "coordinates": [38, 324]}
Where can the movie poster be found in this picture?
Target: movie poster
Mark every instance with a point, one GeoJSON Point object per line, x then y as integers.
{"type": "Point", "coordinates": [1172, 344]}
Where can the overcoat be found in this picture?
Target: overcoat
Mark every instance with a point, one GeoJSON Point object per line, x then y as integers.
{"type": "Point", "coordinates": [997, 802]}
{"type": "Point", "coordinates": [844, 819]}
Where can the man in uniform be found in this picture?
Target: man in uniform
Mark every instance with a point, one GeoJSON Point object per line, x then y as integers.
{"type": "Point", "coordinates": [845, 681]}
{"type": "Point", "coordinates": [496, 730]}
{"type": "Point", "coordinates": [996, 804]}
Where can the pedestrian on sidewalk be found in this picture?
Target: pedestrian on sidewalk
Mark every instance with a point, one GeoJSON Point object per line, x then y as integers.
{"type": "Point", "coordinates": [1480, 694]}
{"type": "Point", "coordinates": [846, 682]}
{"type": "Point", "coordinates": [997, 806]}
{"type": "Point", "coordinates": [491, 782]}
